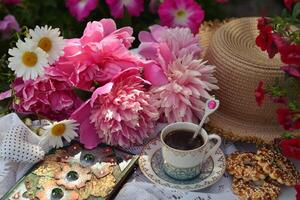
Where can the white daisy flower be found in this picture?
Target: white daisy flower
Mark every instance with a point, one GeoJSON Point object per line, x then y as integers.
{"type": "Point", "coordinates": [54, 133]}
{"type": "Point", "coordinates": [27, 61]}
{"type": "Point", "coordinates": [49, 40]}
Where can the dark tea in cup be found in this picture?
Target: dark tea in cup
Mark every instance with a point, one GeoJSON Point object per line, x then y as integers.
{"type": "Point", "coordinates": [182, 139]}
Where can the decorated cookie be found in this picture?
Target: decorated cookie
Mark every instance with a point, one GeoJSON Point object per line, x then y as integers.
{"type": "Point", "coordinates": [52, 191]}
{"type": "Point", "coordinates": [244, 165]}
{"type": "Point", "coordinates": [48, 169]}
{"type": "Point", "coordinates": [258, 190]}
{"type": "Point", "coordinates": [101, 169]}
{"type": "Point", "coordinates": [73, 176]}
{"type": "Point", "coordinates": [103, 186]}
{"type": "Point", "coordinates": [16, 196]}
{"type": "Point", "coordinates": [278, 167]}
{"type": "Point", "coordinates": [59, 156]}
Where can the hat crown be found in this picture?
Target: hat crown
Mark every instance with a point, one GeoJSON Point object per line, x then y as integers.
{"type": "Point", "coordinates": [240, 65]}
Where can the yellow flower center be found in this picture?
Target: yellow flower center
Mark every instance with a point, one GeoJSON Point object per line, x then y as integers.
{"type": "Point", "coordinates": [58, 129]}
{"type": "Point", "coordinates": [180, 13]}
{"type": "Point", "coordinates": [45, 44]}
{"type": "Point", "coordinates": [29, 58]}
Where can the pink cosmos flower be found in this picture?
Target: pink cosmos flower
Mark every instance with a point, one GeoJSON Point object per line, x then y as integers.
{"type": "Point", "coordinates": [50, 96]}
{"type": "Point", "coordinates": [11, 1]}
{"type": "Point", "coordinates": [100, 54]}
{"type": "Point", "coordinates": [121, 112]}
{"type": "Point", "coordinates": [134, 7]}
{"type": "Point", "coordinates": [182, 13]}
{"type": "Point", "coordinates": [8, 25]}
{"type": "Point", "coordinates": [181, 41]}
{"type": "Point", "coordinates": [183, 97]}
{"type": "Point", "coordinates": [80, 9]}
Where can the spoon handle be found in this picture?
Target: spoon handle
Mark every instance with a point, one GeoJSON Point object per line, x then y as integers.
{"type": "Point", "coordinates": [199, 127]}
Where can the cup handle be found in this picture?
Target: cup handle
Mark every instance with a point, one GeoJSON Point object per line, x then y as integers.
{"type": "Point", "coordinates": [215, 147]}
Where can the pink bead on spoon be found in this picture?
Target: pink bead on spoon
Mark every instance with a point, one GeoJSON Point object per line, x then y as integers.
{"type": "Point", "coordinates": [211, 106]}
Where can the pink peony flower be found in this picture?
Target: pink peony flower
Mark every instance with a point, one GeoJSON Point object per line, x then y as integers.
{"type": "Point", "coordinates": [8, 25]}
{"type": "Point", "coordinates": [182, 13]}
{"type": "Point", "coordinates": [80, 9]}
{"type": "Point", "coordinates": [121, 112]}
{"type": "Point", "coordinates": [100, 54]}
{"type": "Point", "coordinates": [11, 1]}
{"type": "Point", "coordinates": [134, 7]}
{"type": "Point", "coordinates": [50, 96]}
{"type": "Point", "coordinates": [181, 41]}
{"type": "Point", "coordinates": [183, 97]}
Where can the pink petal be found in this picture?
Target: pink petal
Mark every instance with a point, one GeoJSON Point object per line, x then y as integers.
{"type": "Point", "coordinates": [154, 74]}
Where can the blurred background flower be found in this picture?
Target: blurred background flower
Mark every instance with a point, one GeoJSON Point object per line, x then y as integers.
{"type": "Point", "coordinates": [80, 9]}
{"type": "Point", "coordinates": [8, 25]}
{"type": "Point", "coordinates": [181, 13]}
{"type": "Point", "coordinates": [134, 7]}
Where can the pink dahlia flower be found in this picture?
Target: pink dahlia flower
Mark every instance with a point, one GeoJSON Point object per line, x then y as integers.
{"type": "Point", "coordinates": [121, 112]}
{"type": "Point", "coordinates": [181, 41]}
{"type": "Point", "coordinates": [134, 7]}
{"type": "Point", "coordinates": [100, 54]}
{"type": "Point", "coordinates": [8, 25]}
{"type": "Point", "coordinates": [182, 13]}
{"type": "Point", "coordinates": [80, 9]}
{"type": "Point", "coordinates": [50, 96]}
{"type": "Point", "coordinates": [183, 97]}
{"type": "Point", "coordinates": [11, 1]}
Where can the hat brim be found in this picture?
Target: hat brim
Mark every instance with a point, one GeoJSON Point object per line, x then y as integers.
{"type": "Point", "coordinates": [237, 130]}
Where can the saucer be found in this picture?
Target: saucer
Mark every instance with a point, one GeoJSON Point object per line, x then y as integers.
{"type": "Point", "coordinates": [151, 164]}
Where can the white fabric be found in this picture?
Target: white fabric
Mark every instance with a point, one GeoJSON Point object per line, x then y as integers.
{"type": "Point", "coordinates": [140, 188]}
{"type": "Point", "coordinates": [14, 136]}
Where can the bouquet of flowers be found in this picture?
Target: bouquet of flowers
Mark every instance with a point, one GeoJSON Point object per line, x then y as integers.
{"type": "Point", "coordinates": [125, 92]}
{"type": "Point", "coordinates": [281, 35]}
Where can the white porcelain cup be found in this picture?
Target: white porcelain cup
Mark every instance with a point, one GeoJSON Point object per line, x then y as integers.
{"type": "Point", "coordinates": [186, 164]}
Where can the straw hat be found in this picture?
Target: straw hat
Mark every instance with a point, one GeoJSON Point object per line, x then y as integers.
{"type": "Point", "coordinates": [240, 65]}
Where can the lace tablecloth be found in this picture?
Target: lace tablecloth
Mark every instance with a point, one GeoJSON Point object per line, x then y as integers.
{"type": "Point", "coordinates": [140, 188]}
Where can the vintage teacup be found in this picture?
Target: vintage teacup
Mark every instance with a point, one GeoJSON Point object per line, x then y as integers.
{"type": "Point", "coordinates": [186, 164]}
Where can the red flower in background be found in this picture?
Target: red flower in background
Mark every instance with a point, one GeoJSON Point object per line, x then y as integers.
{"type": "Point", "coordinates": [297, 187]}
{"type": "Point", "coordinates": [292, 70]}
{"type": "Point", "coordinates": [290, 54]}
{"type": "Point", "coordinates": [288, 119]}
{"type": "Point", "coordinates": [289, 3]}
{"type": "Point", "coordinates": [259, 94]}
{"type": "Point", "coordinates": [291, 148]}
{"type": "Point", "coordinates": [265, 39]}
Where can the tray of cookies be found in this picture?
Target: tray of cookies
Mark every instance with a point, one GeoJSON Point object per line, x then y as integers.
{"type": "Point", "coordinates": [73, 173]}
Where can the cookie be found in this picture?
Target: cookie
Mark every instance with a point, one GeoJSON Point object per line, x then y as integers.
{"type": "Point", "coordinates": [277, 166]}
{"type": "Point", "coordinates": [243, 165]}
{"type": "Point", "coordinates": [255, 190]}
{"type": "Point", "coordinates": [73, 176]}
{"type": "Point", "coordinates": [52, 191]}
{"type": "Point", "coordinates": [48, 169]}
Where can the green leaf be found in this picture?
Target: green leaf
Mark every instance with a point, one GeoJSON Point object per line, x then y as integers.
{"type": "Point", "coordinates": [286, 135]}
{"type": "Point", "coordinates": [296, 11]}
{"type": "Point", "coordinates": [83, 94]}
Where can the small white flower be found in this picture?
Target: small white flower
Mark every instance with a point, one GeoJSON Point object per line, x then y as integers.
{"type": "Point", "coordinates": [27, 61]}
{"type": "Point", "coordinates": [49, 40]}
{"type": "Point", "coordinates": [54, 132]}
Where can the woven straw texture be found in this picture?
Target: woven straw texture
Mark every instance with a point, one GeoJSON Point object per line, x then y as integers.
{"type": "Point", "coordinates": [240, 66]}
